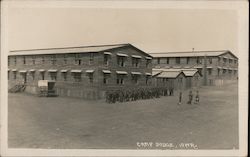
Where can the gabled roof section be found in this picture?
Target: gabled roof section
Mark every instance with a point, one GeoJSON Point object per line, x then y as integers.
{"type": "Point", "coordinates": [64, 50]}
{"type": "Point", "coordinates": [191, 54]}
{"type": "Point", "coordinates": [174, 71]}
{"type": "Point", "coordinates": [169, 74]}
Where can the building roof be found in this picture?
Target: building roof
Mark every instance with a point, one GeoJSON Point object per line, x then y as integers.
{"type": "Point", "coordinates": [174, 71]}
{"type": "Point", "coordinates": [191, 53]}
{"type": "Point", "coordinates": [169, 74]}
{"type": "Point", "coordinates": [81, 49]}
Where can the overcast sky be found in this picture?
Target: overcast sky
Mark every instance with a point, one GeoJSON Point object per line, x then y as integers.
{"type": "Point", "coordinates": [152, 30]}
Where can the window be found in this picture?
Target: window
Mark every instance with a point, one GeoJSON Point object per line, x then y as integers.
{"type": "Point", "coordinates": [224, 71]}
{"type": "Point", "coordinates": [32, 75]}
{"type": "Point", "coordinates": [120, 79]}
{"type": "Point", "coordinates": [91, 77]}
{"type": "Point", "coordinates": [43, 59]}
{"type": "Point", "coordinates": [210, 60]}
{"type": "Point", "coordinates": [33, 60]}
{"type": "Point", "coordinates": [235, 61]}
{"type": "Point", "coordinates": [209, 71]}
{"type": "Point", "coordinates": [64, 75]}
{"type": "Point", "coordinates": [53, 75]}
{"type": "Point", "coordinates": [42, 75]}
{"type": "Point", "coordinates": [77, 77]}
{"type": "Point", "coordinates": [14, 60]}
{"type": "Point", "coordinates": [180, 80]}
{"type": "Point", "coordinates": [8, 75]}
{"type": "Point", "coordinates": [14, 75]}
{"type": "Point", "coordinates": [53, 59]}
{"type": "Point", "coordinates": [8, 61]}
{"type": "Point", "coordinates": [224, 60]}
{"type": "Point", "coordinates": [219, 59]}
{"type": "Point", "coordinates": [106, 59]}
{"type": "Point", "coordinates": [135, 79]}
{"type": "Point", "coordinates": [229, 71]}
{"type": "Point", "coordinates": [91, 58]}
{"type": "Point", "coordinates": [158, 60]}
{"type": "Point", "coordinates": [167, 61]}
{"type": "Point", "coordinates": [135, 62]}
{"type": "Point", "coordinates": [121, 61]}
{"type": "Point", "coordinates": [177, 60]}
{"type": "Point", "coordinates": [65, 59]}
{"type": "Point", "coordinates": [24, 60]}
{"type": "Point", "coordinates": [198, 60]}
{"type": "Point", "coordinates": [105, 78]}
{"type": "Point", "coordinates": [147, 79]}
{"type": "Point", "coordinates": [200, 70]}
{"type": "Point", "coordinates": [148, 61]}
{"type": "Point", "coordinates": [78, 60]}
{"type": "Point", "coordinates": [188, 60]}
{"type": "Point", "coordinates": [235, 71]}
{"type": "Point", "coordinates": [218, 72]}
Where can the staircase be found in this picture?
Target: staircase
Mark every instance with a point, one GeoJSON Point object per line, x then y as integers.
{"type": "Point", "coordinates": [17, 88]}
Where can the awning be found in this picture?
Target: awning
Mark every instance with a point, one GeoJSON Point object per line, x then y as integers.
{"type": "Point", "coordinates": [41, 70]}
{"type": "Point", "coordinates": [225, 57]}
{"type": "Point", "coordinates": [52, 70]}
{"type": "Point", "coordinates": [106, 71]}
{"type": "Point", "coordinates": [122, 55]}
{"type": "Point", "coordinates": [209, 67]}
{"type": "Point", "coordinates": [64, 71]}
{"type": "Point", "coordinates": [8, 69]}
{"type": "Point", "coordinates": [135, 73]}
{"type": "Point", "coordinates": [13, 70]}
{"type": "Point", "coordinates": [219, 67]}
{"type": "Point", "coordinates": [107, 53]}
{"type": "Point", "coordinates": [89, 71]}
{"type": "Point", "coordinates": [32, 70]}
{"type": "Point", "coordinates": [149, 74]}
{"type": "Point", "coordinates": [136, 56]}
{"type": "Point", "coordinates": [122, 72]}
{"type": "Point", "coordinates": [76, 71]}
{"type": "Point", "coordinates": [22, 71]}
{"type": "Point", "coordinates": [148, 57]}
{"type": "Point", "coordinates": [224, 68]}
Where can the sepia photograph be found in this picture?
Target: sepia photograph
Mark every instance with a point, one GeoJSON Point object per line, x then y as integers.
{"type": "Point", "coordinates": [126, 76]}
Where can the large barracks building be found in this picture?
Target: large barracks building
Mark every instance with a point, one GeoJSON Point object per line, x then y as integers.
{"type": "Point", "coordinates": [215, 67]}
{"type": "Point", "coordinates": [90, 71]}
{"type": "Point", "coordinates": [85, 72]}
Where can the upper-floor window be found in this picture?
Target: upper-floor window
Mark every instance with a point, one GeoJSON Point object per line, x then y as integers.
{"type": "Point", "coordinates": [148, 61]}
{"type": "Point", "coordinates": [177, 60]}
{"type": "Point", "coordinates": [135, 62]}
{"type": "Point", "coordinates": [53, 75]}
{"type": "Point", "coordinates": [219, 59]}
{"type": "Point", "coordinates": [8, 61]}
{"type": "Point", "coordinates": [32, 75]}
{"type": "Point", "coordinates": [209, 71]}
{"type": "Point", "coordinates": [135, 79]}
{"type": "Point", "coordinates": [24, 59]}
{"type": "Point", "coordinates": [198, 60]}
{"type": "Point", "coordinates": [210, 60]}
{"type": "Point", "coordinates": [8, 75]}
{"type": "Point", "coordinates": [188, 59]}
{"type": "Point", "coordinates": [77, 76]}
{"type": "Point", "coordinates": [14, 75]}
{"type": "Point", "coordinates": [91, 58]}
{"type": "Point", "coordinates": [235, 61]}
{"type": "Point", "coordinates": [224, 60]}
{"type": "Point", "coordinates": [158, 60]}
{"type": "Point", "coordinates": [43, 59]}
{"type": "Point", "coordinates": [230, 61]}
{"type": "Point", "coordinates": [53, 59]}
{"type": "Point", "coordinates": [15, 60]}
{"type": "Point", "coordinates": [91, 77]}
{"type": "Point", "coordinates": [167, 60]}
{"type": "Point", "coordinates": [106, 59]}
{"type": "Point", "coordinates": [78, 60]}
{"type": "Point", "coordinates": [33, 60]}
{"type": "Point", "coordinates": [65, 58]}
{"type": "Point", "coordinates": [120, 79]}
{"type": "Point", "coordinates": [121, 61]}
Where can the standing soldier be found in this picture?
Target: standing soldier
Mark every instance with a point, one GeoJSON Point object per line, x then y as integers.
{"type": "Point", "coordinates": [180, 97]}
{"type": "Point", "coordinates": [197, 97]}
{"type": "Point", "coordinates": [190, 97]}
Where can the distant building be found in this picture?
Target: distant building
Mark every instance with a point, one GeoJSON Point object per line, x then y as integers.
{"type": "Point", "coordinates": [85, 72]}
{"type": "Point", "coordinates": [216, 67]}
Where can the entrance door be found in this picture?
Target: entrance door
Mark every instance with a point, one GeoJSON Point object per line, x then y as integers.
{"type": "Point", "coordinates": [24, 77]}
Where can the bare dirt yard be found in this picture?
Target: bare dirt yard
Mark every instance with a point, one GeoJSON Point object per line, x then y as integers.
{"type": "Point", "coordinates": [67, 123]}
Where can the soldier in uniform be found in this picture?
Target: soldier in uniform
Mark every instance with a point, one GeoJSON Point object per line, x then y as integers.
{"type": "Point", "coordinates": [190, 97]}
{"type": "Point", "coordinates": [197, 97]}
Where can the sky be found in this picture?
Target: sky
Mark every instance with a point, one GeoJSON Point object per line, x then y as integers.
{"type": "Point", "coordinates": [151, 30]}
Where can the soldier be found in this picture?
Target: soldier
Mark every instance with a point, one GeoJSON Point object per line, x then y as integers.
{"type": "Point", "coordinates": [197, 97]}
{"type": "Point", "coordinates": [180, 97]}
{"type": "Point", "coordinates": [190, 97]}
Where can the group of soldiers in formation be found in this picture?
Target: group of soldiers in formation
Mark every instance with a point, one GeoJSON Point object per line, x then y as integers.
{"type": "Point", "coordinates": [124, 95]}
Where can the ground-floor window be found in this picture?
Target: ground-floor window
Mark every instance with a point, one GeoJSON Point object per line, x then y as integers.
{"type": "Point", "coordinates": [105, 78]}
{"type": "Point", "coordinates": [120, 79]}
{"type": "Point", "coordinates": [42, 75]}
{"type": "Point", "coordinates": [32, 75]}
{"type": "Point", "coordinates": [147, 80]}
{"type": "Point", "coordinates": [64, 75]}
{"type": "Point", "coordinates": [14, 75]}
{"type": "Point", "coordinates": [135, 79]}
{"type": "Point", "coordinates": [77, 77]}
{"type": "Point", "coordinates": [8, 75]}
{"type": "Point", "coordinates": [209, 71]}
{"type": "Point", "coordinates": [218, 72]}
{"type": "Point", "coordinates": [91, 77]}
{"type": "Point", "coordinates": [224, 71]}
{"type": "Point", "coordinates": [53, 75]}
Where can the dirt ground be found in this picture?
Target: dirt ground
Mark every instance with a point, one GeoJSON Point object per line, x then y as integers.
{"type": "Point", "coordinates": [59, 122]}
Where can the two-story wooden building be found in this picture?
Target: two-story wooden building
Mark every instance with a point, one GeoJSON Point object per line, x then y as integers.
{"type": "Point", "coordinates": [216, 67]}
{"type": "Point", "coordinates": [85, 72]}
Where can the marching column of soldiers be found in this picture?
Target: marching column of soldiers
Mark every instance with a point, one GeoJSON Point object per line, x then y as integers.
{"type": "Point", "coordinates": [113, 96]}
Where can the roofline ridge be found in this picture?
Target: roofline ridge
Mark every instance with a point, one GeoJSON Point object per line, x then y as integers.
{"type": "Point", "coordinates": [53, 48]}
{"type": "Point", "coordinates": [189, 51]}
